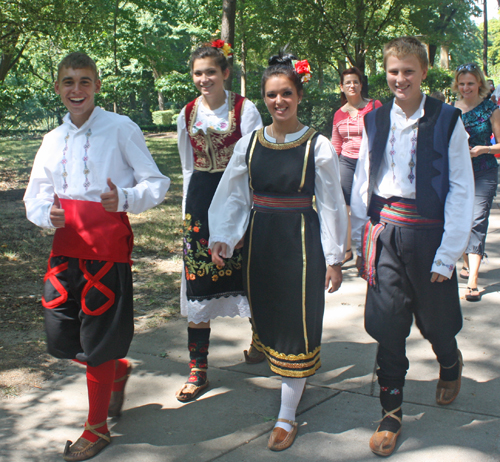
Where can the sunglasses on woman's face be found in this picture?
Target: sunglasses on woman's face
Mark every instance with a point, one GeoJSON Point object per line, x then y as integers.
{"type": "Point", "coordinates": [466, 67]}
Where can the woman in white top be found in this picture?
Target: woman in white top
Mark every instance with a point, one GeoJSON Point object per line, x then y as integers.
{"type": "Point", "coordinates": [208, 128]}
{"type": "Point", "coordinates": [266, 195]}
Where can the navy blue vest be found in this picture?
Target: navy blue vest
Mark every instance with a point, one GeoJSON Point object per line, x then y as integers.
{"type": "Point", "coordinates": [434, 133]}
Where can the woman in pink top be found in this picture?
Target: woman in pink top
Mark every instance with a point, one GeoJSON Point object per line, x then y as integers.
{"type": "Point", "coordinates": [347, 132]}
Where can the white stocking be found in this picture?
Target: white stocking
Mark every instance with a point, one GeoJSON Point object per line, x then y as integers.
{"type": "Point", "coordinates": [291, 392]}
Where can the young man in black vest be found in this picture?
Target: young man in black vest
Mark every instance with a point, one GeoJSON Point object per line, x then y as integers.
{"type": "Point", "coordinates": [412, 201]}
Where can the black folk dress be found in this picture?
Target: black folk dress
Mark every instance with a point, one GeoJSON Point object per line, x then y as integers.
{"type": "Point", "coordinates": [204, 279]}
{"type": "Point", "coordinates": [283, 264]}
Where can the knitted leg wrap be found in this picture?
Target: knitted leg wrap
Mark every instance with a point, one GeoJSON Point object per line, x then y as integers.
{"type": "Point", "coordinates": [450, 372]}
{"type": "Point", "coordinates": [121, 366]}
{"type": "Point", "coordinates": [198, 341]}
{"type": "Point", "coordinates": [99, 384]}
{"type": "Point", "coordinates": [391, 398]}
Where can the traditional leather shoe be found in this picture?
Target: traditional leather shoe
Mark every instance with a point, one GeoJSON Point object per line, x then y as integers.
{"type": "Point", "coordinates": [383, 442]}
{"type": "Point", "coordinates": [190, 391]}
{"type": "Point", "coordinates": [117, 397]}
{"type": "Point", "coordinates": [447, 390]}
{"type": "Point", "coordinates": [253, 356]}
{"type": "Point", "coordinates": [84, 449]}
{"type": "Point", "coordinates": [280, 439]}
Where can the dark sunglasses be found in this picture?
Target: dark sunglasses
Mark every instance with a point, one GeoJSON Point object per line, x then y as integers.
{"type": "Point", "coordinates": [466, 67]}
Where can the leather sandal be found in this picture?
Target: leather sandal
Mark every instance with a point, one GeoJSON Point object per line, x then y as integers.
{"type": "Point", "coordinates": [280, 439]}
{"type": "Point", "coordinates": [84, 449]}
{"type": "Point", "coordinates": [383, 442]}
{"type": "Point", "coordinates": [472, 294]}
{"type": "Point", "coordinates": [253, 356]}
{"type": "Point", "coordinates": [190, 391]}
{"type": "Point", "coordinates": [464, 273]}
{"type": "Point", "coordinates": [447, 390]}
{"type": "Point", "coordinates": [117, 397]}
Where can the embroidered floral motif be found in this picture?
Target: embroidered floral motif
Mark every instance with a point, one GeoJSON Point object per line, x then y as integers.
{"type": "Point", "coordinates": [413, 153]}
{"type": "Point", "coordinates": [213, 122]}
{"type": "Point", "coordinates": [125, 205]}
{"type": "Point", "coordinates": [392, 152]}
{"type": "Point", "coordinates": [440, 263]}
{"type": "Point", "coordinates": [86, 170]}
{"type": "Point", "coordinates": [194, 266]}
{"type": "Point", "coordinates": [395, 391]}
{"type": "Point", "coordinates": [64, 162]}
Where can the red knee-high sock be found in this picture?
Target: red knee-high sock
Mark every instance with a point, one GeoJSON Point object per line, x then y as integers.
{"type": "Point", "coordinates": [121, 366]}
{"type": "Point", "coordinates": [99, 384]}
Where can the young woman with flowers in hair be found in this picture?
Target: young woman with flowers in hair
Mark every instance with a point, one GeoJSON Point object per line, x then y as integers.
{"type": "Point", "coordinates": [347, 132]}
{"type": "Point", "coordinates": [266, 195]}
{"type": "Point", "coordinates": [208, 129]}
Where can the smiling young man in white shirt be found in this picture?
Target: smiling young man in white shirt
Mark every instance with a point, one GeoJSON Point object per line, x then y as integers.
{"type": "Point", "coordinates": [411, 208]}
{"type": "Point", "coordinates": [87, 174]}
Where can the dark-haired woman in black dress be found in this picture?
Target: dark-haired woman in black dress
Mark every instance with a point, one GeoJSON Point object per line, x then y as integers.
{"type": "Point", "coordinates": [278, 170]}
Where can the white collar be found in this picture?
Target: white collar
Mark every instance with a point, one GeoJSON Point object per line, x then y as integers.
{"type": "Point", "coordinates": [67, 118]}
{"type": "Point", "coordinates": [419, 113]}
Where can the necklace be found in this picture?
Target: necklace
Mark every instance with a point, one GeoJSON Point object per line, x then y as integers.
{"type": "Point", "coordinates": [350, 107]}
{"type": "Point", "coordinates": [272, 131]}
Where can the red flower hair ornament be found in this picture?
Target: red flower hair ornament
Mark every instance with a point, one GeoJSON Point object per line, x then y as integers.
{"type": "Point", "coordinates": [302, 68]}
{"type": "Point", "coordinates": [225, 47]}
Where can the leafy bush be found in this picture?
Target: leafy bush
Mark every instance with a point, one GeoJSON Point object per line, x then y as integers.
{"type": "Point", "coordinates": [167, 117]}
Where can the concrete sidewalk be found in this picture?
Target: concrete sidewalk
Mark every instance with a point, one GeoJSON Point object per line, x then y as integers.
{"type": "Point", "coordinates": [231, 422]}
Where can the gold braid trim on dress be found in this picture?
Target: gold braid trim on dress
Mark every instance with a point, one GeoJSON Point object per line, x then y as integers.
{"type": "Point", "coordinates": [308, 358]}
{"type": "Point", "coordinates": [282, 146]}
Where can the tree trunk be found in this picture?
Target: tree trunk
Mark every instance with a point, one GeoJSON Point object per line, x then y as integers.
{"type": "Point", "coordinates": [161, 101]}
{"type": "Point", "coordinates": [227, 33]}
{"type": "Point", "coordinates": [115, 25]}
{"type": "Point", "coordinates": [445, 57]}
{"type": "Point", "coordinates": [432, 54]}
{"type": "Point", "coordinates": [243, 78]}
{"type": "Point", "coordinates": [485, 39]}
{"type": "Point", "coordinates": [8, 59]}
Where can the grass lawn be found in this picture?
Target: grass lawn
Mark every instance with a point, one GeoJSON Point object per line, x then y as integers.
{"type": "Point", "coordinates": [24, 247]}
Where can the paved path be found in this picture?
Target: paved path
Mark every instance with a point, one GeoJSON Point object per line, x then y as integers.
{"type": "Point", "coordinates": [231, 422]}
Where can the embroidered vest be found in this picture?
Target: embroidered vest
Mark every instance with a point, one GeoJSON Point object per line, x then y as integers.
{"type": "Point", "coordinates": [213, 150]}
{"type": "Point", "coordinates": [434, 133]}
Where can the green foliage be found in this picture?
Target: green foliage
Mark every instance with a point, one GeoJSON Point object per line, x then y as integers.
{"type": "Point", "coordinates": [142, 48]}
{"type": "Point", "coordinates": [177, 88]}
{"type": "Point", "coordinates": [437, 80]}
{"type": "Point", "coordinates": [168, 117]}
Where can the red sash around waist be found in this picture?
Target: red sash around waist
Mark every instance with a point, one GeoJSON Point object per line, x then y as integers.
{"type": "Point", "coordinates": [92, 233]}
{"type": "Point", "coordinates": [272, 203]}
{"type": "Point", "coordinates": [396, 211]}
